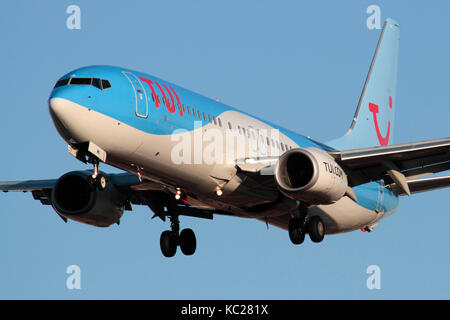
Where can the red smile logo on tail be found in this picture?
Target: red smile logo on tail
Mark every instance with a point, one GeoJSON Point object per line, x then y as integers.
{"type": "Point", "coordinates": [375, 109]}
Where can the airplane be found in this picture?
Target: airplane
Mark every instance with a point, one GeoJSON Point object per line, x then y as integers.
{"type": "Point", "coordinates": [171, 144]}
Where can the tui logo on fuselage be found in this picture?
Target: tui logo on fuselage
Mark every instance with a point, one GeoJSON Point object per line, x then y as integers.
{"type": "Point", "coordinates": [375, 109]}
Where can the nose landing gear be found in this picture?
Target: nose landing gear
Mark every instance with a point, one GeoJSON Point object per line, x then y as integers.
{"type": "Point", "coordinates": [89, 152]}
{"type": "Point", "coordinates": [97, 179]}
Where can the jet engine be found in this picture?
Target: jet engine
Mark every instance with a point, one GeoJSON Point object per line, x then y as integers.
{"type": "Point", "coordinates": [310, 175]}
{"type": "Point", "coordinates": [75, 197]}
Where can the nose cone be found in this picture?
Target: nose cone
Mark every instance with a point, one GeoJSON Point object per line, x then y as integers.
{"type": "Point", "coordinates": [60, 113]}
{"type": "Point", "coordinates": [75, 123]}
{"type": "Point", "coordinates": [56, 106]}
{"type": "Point", "coordinates": [69, 119]}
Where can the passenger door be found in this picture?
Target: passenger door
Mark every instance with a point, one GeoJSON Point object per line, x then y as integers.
{"type": "Point", "coordinates": [139, 93]}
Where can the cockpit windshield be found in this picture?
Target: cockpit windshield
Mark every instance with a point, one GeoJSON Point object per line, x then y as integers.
{"type": "Point", "coordinates": [87, 81]}
{"type": "Point", "coordinates": [101, 84]}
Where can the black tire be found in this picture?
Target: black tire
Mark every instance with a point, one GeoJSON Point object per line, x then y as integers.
{"type": "Point", "coordinates": [296, 232]}
{"type": "Point", "coordinates": [101, 182]}
{"type": "Point", "coordinates": [316, 229]}
{"type": "Point", "coordinates": [168, 242]}
{"type": "Point", "coordinates": [188, 243]}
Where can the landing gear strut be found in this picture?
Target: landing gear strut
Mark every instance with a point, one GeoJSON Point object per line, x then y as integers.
{"type": "Point", "coordinates": [171, 239]}
{"type": "Point", "coordinates": [97, 179]}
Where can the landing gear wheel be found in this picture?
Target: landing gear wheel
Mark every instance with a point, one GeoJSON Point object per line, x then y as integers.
{"type": "Point", "coordinates": [169, 242]}
{"type": "Point", "coordinates": [188, 243]}
{"type": "Point", "coordinates": [296, 232]}
{"type": "Point", "coordinates": [101, 182]}
{"type": "Point", "coordinates": [316, 229]}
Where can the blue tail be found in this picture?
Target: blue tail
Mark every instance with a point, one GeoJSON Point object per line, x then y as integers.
{"type": "Point", "coordinates": [373, 123]}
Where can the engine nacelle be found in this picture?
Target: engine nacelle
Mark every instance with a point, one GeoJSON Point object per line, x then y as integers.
{"type": "Point", "coordinates": [75, 198]}
{"type": "Point", "coordinates": [310, 175]}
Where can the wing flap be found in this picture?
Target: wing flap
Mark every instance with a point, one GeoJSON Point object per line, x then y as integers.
{"type": "Point", "coordinates": [422, 185]}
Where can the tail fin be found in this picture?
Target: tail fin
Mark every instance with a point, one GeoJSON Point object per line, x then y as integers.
{"type": "Point", "coordinates": [373, 123]}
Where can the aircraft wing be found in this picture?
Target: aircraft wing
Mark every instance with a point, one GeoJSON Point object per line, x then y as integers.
{"type": "Point", "coordinates": [395, 163]}
{"type": "Point", "coordinates": [122, 179]}
{"type": "Point", "coordinates": [26, 186]}
{"type": "Point", "coordinates": [41, 189]}
{"type": "Point", "coordinates": [146, 192]}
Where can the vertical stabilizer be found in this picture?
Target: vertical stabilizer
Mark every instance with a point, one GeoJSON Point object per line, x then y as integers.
{"type": "Point", "coordinates": [373, 123]}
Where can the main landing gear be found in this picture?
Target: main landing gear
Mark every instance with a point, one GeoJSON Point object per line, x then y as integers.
{"type": "Point", "coordinates": [170, 239]}
{"type": "Point", "coordinates": [299, 226]}
{"type": "Point", "coordinates": [316, 229]}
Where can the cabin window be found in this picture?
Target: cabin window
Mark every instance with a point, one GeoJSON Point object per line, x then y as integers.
{"type": "Point", "coordinates": [282, 146]}
{"type": "Point", "coordinates": [199, 114]}
{"type": "Point", "coordinates": [239, 129]}
{"type": "Point", "coordinates": [193, 112]}
{"type": "Point", "coordinates": [229, 125]}
{"type": "Point", "coordinates": [215, 122]}
{"type": "Point", "coordinates": [220, 122]}
{"type": "Point", "coordinates": [189, 110]}
{"type": "Point", "coordinates": [204, 116]}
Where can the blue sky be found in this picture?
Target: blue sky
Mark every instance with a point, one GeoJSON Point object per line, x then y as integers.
{"type": "Point", "coordinates": [300, 64]}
